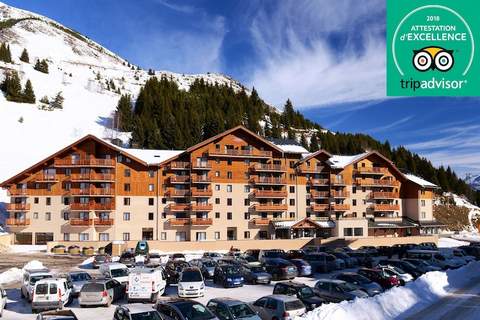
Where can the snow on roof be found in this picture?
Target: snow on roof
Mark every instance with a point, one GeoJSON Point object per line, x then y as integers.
{"type": "Point", "coordinates": [291, 148]}
{"type": "Point", "coordinates": [340, 162]}
{"type": "Point", "coordinates": [289, 224]}
{"type": "Point", "coordinates": [151, 156]}
{"type": "Point", "coordinates": [420, 181]}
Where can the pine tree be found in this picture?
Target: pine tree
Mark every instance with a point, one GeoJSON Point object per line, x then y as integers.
{"type": "Point", "coordinates": [303, 141]}
{"type": "Point", "coordinates": [57, 102]}
{"type": "Point", "coordinates": [12, 87]}
{"type": "Point", "coordinates": [125, 113]}
{"type": "Point", "coordinates": [41, 65]}
{"type": "Point", "coordinates": [5, 54]}
{"type": "Point", "coordinates": [314, 146]}
{"type": "Point", "coordinates": [28, 94]}
{"type": "Point", "coordinates": [24, 57]}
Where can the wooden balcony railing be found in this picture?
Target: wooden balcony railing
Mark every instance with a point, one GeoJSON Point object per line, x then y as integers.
{"type": "Point", "coordinates": [202, 193]}
{"type": "Point", "coordinates": [241, 153]}
{"type": "Point", "coordinates": [201, 221]}
{"type": "Point", "coordinates": [201, 179]}
{"type": "Point", "coordinates": [179, 165]}
{"type": "Point", "coordinates": [311, 169]}
{"type": "Point", "coordinates": [179, 179]}
{"type": "Point", "coordinates": [320, 207]}
{"type": "Point", "coordinates": [81, 222]}
{"type": "Point", "coordinates": [176, 193]}
{"type": "Point", "coordinates": [76, 206]}
{"type": "Point", "coordinates": [45, 177]}
{"type": "Point", "coordinates": [17, 222]}
{"type": "Point", "coordinates": [18, 206]}
{"type": "Point", "coordinates": [337, 181]}
{"type": "Point", "coordinates": [377, 182]}
{"type": "Point", "coordinates": [260, 221]}
{"type": "Point", "coordinates": [383, 195]}
{"type": "Point", "coordinates": [269, 207]}
{"type": "Point", "coordinates": [389, 218]}
{"type": "Point", "coordinates": [371, 170]}
{"type": "Point", "coordinates": [92, 177]}
{"type": "Point", "coordinates": [386, 207]}
{"type": "Point", "coordinates": [201, 166]}
{"type": "Point", "coordinates": [340, 207]}
{"type": "Point", "coordinates": [17, 192]}
{"type": "Point", "coordinates": [269, 194]}
{"type": "Point", "coordinates": [201, 207]}
{"type": "Point", "coordinates": [178, 207]}
{"type": "Point", "coordinates": [319, 182]}
{"type": "Point", "coordinates": [340, 194]}
{"type": "Point", "coordinates": [89, 162]}
{"type": "Point", "coordinates": [268, 167]}
{"type": "Point", "coordinates": [319, 194]}
{"type": "Point", "coordinates": [103, 222]}
{"type": "Point", "coordinates": [270, 181]}
{"type": "Point", "coordinates": [92, 192]}
{"type": "Point", "coordinates": [179, 222]}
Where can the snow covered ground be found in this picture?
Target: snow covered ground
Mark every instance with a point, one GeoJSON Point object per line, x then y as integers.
{"type": "Point", "coordinates": [451, 243]}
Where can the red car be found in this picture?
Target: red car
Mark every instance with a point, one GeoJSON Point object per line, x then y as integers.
{"type": "Point", "coordinates": [380, 277]}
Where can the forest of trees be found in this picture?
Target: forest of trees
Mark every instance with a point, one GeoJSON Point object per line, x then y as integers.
{"type": "Point", "coordinates": [165, 117]}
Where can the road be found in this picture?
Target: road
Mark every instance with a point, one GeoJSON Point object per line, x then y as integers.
{"type": "Point", "coordinates": [462, 304]}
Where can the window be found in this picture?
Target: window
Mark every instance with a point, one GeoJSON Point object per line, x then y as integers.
{"type": "Point", "coordinates": [292, 164]}
{"type": "Point", "coordinates": [292, 215]}
{"type": "Point", "coordinates": [291, 176]}
{"type": "Point", "coordinates": [126, 173]}
{"type": "Point", "coordinates": [422, 203]}
{"type": "Point", "coordinates": [347, 232]}
{"type": "Point", "coordinates": [164, 200]}
{"type": "Point", "coordinates": [246, 189]}
{"type": "Point", "coordinates": [358, 232]}
{"type": "Point", "coordinates": [103, 236]}
{"type": "Point", "coordinates": [217, 200]}
{"type": "Point", "coordinates": [163, 236]}
{"type": "Point", "coordinates": [423, 214]}
{"type": "Point", "coordinates": [68, 172]}
{"type": "Point", "coordinates": [151, 201]}
{"type": "Point", "coordinates": [229, 174]}
{"type": "Point", "coordinates": [151, 187]}
{"type": "Point", "coordinates": [292, 202]}
{"type": "Point", "coordinates": [201, 236]}
{"type": "Point", "coordinates": [229, 216]}
{"type": "Point", "coordinates": [247, 215]}
{"type": "Point", "coordinates": [246, 202]}
{"type": "Point", "coordinates": [292, 189]}
{"type": "Point", "coordinates": [126, 236]}
{"type": "Point", "coordinates": [246, 235]}
{"type": "Point", "coordinates": [150, 216]}
{"type": "Point", "coordinates": [354, 189]}
{"type": "Point", "coordinates": [229, 201]}
{"type": "Point", "coordinates": [126, 187]}
{"type": "Point", "coordinates": [66, 237]}
{"type": "Point", "coordinates": [354, 202]}
{"type": "Point", "coordinates": [217, 235]}
{"type": "Point", "coordinates": [35, 215]}
{"type": "Point", "coordinates": [151, 173]}
{"type": "Point", "coordinates": [181, 236]}
{"type": "Point", "coordinates": [229, 188]}
{"type": "Point", "coordinates": [66, 215]}
{"type": "Point", "coordinates": [217, 187]}
{"type": "Point", "coordinates": [83, 237]}
{"type": "Point", "coordinates": [49, 201]}
{"type": "Point", "coordinates": [164, 215]}
{"type": "Point", "coordinates": [126, 216]}
{"type": "Point", "coordinates": [35, 200]}
{"type": "Point", "coordinates": [48, 216]}
{"type": "Point", "coordinates": [217, 174]}
{"type": "Point", "coordinates": [229, 162]}
{"type": "Point", "coordinates": [217, 215]}
{"type": "Point", "coordinates": [126, 201]}
{"type": "Point", "coordinates": [66, 201]}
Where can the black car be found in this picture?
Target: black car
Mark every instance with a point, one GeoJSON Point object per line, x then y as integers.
{"type": "Point", "coordinates": [183, 309]}
{"type": "Point", "coordinates": [295, 254]}
{"type": "Point", "coordinates": [127, 258]}
{"type": "Point", "coordinates": [173, 269]}
{"type": "Point", "coordinates": [471, 251]}
{"type": "Point", "coordinates": [281, 269]}
{"type": "Point", "coordinates": [303, 292]}
{"type": "Point", "coordinates": [401, 249]}
{"type": "Point", "coordinates": [404, 265]}
{"type": "Point", "coordinates": [364, 258]}
{"type": "Point", "coordinates": [229, 276]}
{"type": "Point", "coordinates": [253, 253]}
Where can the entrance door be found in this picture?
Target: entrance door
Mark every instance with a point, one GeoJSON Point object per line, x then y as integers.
{"type": "Point", "coordinates": [147, 233]}
{"type": "Point", "coordinates": [232, 234]}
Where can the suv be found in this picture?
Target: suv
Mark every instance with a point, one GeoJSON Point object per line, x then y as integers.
{"type": "Point", "coordinates": [30, 277]}
{"type": "Point", "coordinates": [323, 262]}
{"type": "Point", "coordinates": [183, 309]}
{"type": "Point", "coordinates": [281, 269]}
{"type": "Point", "coordinates": [279, 306]}
{"type": "Point", "coordinates": [51, 294]}
{"type": "Point", "coordinates": [127, 258]}
{"type": "Point", "coordinates": [402, 264]}
{"type": "Point", "coordinates": [301, 291]}
{"type": "Point", "coordinates": [136, 311]}
{"type": "Point", "coordinates": [228, 276]}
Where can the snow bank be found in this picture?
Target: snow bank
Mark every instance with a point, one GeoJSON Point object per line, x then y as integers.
{"type": "Point", "coordinates": [16, 274]}
{"type": "Point", "coordinates": [27, 248]}
{"type": "Point", "coordinates": [87, 263]}
{"type": "Point", "coordinates": [467, 236]}
{"type": "Point", "coordinates": [400, 301]}
{"type": "Point", "coordinates": [34, 264]}
{"type": "Point", "coordinates": [450, 243]}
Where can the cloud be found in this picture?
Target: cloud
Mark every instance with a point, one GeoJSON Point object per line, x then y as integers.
{"type": "Point", "coordinates": [320, 52]}
{"type": "Point", "coordinates": [176, 6]}
{"type": "Point", "coordinates": [391, 125]}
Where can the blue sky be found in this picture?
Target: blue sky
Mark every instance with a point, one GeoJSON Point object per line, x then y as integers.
{"type": "Point", "coordinates": [327, 56]}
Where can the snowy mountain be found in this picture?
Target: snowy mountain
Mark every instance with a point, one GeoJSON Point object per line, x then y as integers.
{"type": "Point", "coordinates": [473, 181]}
{"type": "Point", "coordinates": [79, 68]}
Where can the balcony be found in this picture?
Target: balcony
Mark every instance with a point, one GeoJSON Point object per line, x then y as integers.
{"type": "Point", "coordinates": [383, 195]}
{"type": "Point", "coordinates": [179, 165]}
{"type": "Point", "coordinates": [201, 207]}
{"type": "Point", "coordinates": [269, 194]}
{"type": "Point", "coordinates": [319, 207]}
{"type": "Point", "coordinates": [267, 167]}
{"type": "Point", "coordinates": [179, 222]}
{"type": "Point", "coordinates": [385, 207]}
{"type": "Point", "coordinates": [92, 192]}
{"type": "Point", "coordinates": [337, 182]}
{"type": "Point", "coordinates": [269, 207]}
{"type": "Point", "coordinates": [318, 182]}
{"type": "Point", "coordinates": [201, 166]}
{"type": "Point", "coordinates": [268, 181]}
{"type": "Point", "coordinates": [92, 206]}
{"type": "Point", "coordinates": [79, 177]}
{"type": "Point", "coordinates": [388, 218]}
{"type": "Point", "coordinates": [371, 170]}
{"type": "Point", "coordinates": [377, 182]}
{"type": "Point", "coordinates": [176, 193]}
{"type": "Point", "coordinates": [178, 207]}
{"type": "Point", "coordinates": [45, 177]}
{"type": "Point", "coordinates": [201, 179]}
{"type": "Point", "coordinates": [18, 192]}
{"type": "Point", "coordinates": [340, 207]}
{"type": "Point", "coordinates": [90, 162]}
{"type": "Point", "coordinates": [319, 194]}
{"type": "Point", "coordinates": [18, 206]}
{"type": "Point", "coordinates": [240, 153]}
{"type": "Point", "coordinates": [202, 193]}
{"type": "Point", "coordinates": [103, 222]}
{"type": "Point", "coordinates": [201, 221]}
{"type": "Point", "coordinates": [12, 222]}
{"type": "Point", "coordinates": [312, 169]}
{"type": "Point", "coordinates": [80, 222]}
{"type": "Point", "coordinates": [340, 194]}
{"type": "Point", "coordinates": [179, 179]}
{"type": "Point", "coordinates": [260, 221]}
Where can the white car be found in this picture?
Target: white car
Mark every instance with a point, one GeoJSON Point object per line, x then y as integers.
{"type": "Point", "coordinates": [30, 277]}
{"type": "Point", "coordinates": [51, 294]}
{"type": "Point", "coordinates": [191, 283]}
{"type": "Point", "coordinates": [115, 270]}
{"type": "Point", "coordinates": [3, 300]}
{"type": "Point", "coordinates": [393, 271]}
{"type": "Point", "coordinates": [145, 284]}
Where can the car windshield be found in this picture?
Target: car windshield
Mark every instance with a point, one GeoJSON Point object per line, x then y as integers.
{"type": "Point", "coordinates": [34, 279]}
{"type": "Point", "coordinates": [119, 273]}
{"type": "Point", "coordinates": [306, 292]}
{"type": "Point", "coordinates": [257, 269]}
{"type": "Point", "coordinates": [274, 254]}
{"type": "Point", "coordinates": [191, 276]}
{"type": "Point", "coordinates": [347, 286]}
{"type": "Point", "coordinates": [241, 311]}
{"type": "Point", "coordinates": [93, 287]}
{"type": "Point", "coordinates": [194, 311]}
{"type": "Point", "coordinates": [230, 270]}
{"type": "Point", "coordinates": [80, 277]}
{"type": "Point", "coordinates": [294, 305]}
{"type": "Point", "coordinates": [359, 278]}
{"type": "Point", "coordinates": [209, 264]}
{"type": "Point", "coordinates": [147, 315]}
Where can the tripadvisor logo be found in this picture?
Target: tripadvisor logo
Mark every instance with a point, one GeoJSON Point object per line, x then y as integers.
{"type": "Point", "coordinates": [431, 50]}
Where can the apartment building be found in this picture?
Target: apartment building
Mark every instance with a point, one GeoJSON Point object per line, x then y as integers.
{"type": "Point", "coordinates": [234, 186]}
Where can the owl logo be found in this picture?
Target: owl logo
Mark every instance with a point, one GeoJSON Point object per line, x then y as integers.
{"type": "Point", "coordinates": [431, 58]}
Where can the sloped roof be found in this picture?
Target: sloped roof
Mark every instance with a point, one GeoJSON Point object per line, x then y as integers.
{"type": "Point", "coordinates": [290, 223]}
{"type": "Point", "coordinates": [152, 156]}
{"type": "Point", "coordinates": [340, 162]}
{"type": "Point", "coordinates": [289, 145]}
{"type": "Point", "coordinates": [420, 181]}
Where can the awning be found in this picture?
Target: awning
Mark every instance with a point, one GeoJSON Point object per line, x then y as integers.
{"type": "Point", "coordinates": [305, 223]}
{"type": "Point", "coordinates": [391, 224]}
{"type": "Point", "coordinates": [431, 224]}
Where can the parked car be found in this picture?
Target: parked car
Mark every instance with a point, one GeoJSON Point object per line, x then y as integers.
{"type": "Point", "coordinates": [154, 259]}
{"type": "Point", "coordinates": [380, 277]}
{"type": "Point", "coordinates": [30, 277]}
{"type": "Point", "coordinates": [178, 257]}
{"type": "Point", "coordinates": [333, 290]}
{"type": "Point", "coordinates": [212, 255]}
{"type": "Point", "coordinates": [401, 249]}
{"type": "Point", "coordinates": [57, 315]}
{"type": "Point", "coordinates": [301, 291]}
{"type": "Point", "coordinates": [255, 273]}
{"type": "Point", "coordinates": [385, 251]}
{"type": "Point", "coordinates": [433, 257]}
{"type": "Point", "coordinates": [136, 311]}
{"type": "Point", "coordinates": [402, 275]}
{"type": "Point", "coordinates": [115, 270]}
{"type": "Point", "coordinates": [403, 265]}
{"type": "Point", "coordinates": [100, 259]}
{"type": "Point", "coordinates": [100, 292]}
{"type": "Point", "coordinates": [230, 309]}
{"type": "Point", "coordinates": [278, 306]}
{"type": "Point", "coordinates": [206, 265]}
{"type": "Point", "coordinates": [3, 300]}
{"type": "Point", "coordinates": [173, 269]}
{"type": "Point", "coordinates": [323, 262]}
{"type": "Point", "coordinates": [127, 258]}
{"type": "Point", "coordinates": [422, 265]}
{"type": "Point", "coordinates": [281, 269]}
{"type": "Point", "coordinates": [295, 254]}
{"type": "Point", "coordinates": [183, 309]}
{"type": "Point", "coordinates": [228, 276]}
{"type": "Point", "coordinates": [142, 248]}
{"type": "Point", "coordinates": [430, 245]}
{"type": "Point", "coordinates": [191, 283]}
{"type": "Point", "coordinates": [473, 251]}
{"type": "Point", "coordinates": [263, 255]}
{"type": "Point", "coordinates": [51, 294]}
{"type": "Point", "coordinates": [303, 267]}
{"type": "Point", "coordinates": [454, 253]}
{"type": "Point", "coordinates": [370, 287]}
{"type": "Point", "coordinates": [369, 249]}
{"type": "Point", "coordinates": [78, 279]}
{"type": "Point", "coordinates": [364, 258]}
{"type": "Point", "coordinates": [145, 284]}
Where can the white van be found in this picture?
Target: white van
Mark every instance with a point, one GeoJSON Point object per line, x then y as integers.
{"type": "Point", "coordinates": [51, 294]}
{"type": "Point", "coordinates": [145, 284]}
{"type": "Point", "coordinates": [30, 277]}
{"type": "Point", "coordinates": [115, 270]}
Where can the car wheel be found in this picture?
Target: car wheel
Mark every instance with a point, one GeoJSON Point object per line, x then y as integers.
{"type": "Point", "coordinates": [154, 297]}
{"type": "Point", "coordinates": [109, 303]}
{"type": "Point", "coordinates": [21, 294]}
{"type": "Point", "coordinates": [34, 310]}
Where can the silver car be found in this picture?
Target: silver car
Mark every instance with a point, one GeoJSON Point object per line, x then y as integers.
{"type": "Point", "coordinates": [278, 306]}
{"type": "Point", "coordinates": [100, 292]}
{"type": "Point", "coordinates": [78, 279]}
